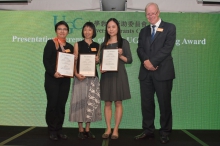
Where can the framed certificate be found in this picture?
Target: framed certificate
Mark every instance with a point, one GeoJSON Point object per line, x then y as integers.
{"type": "Point", "coordinates": [65, 64]}
{"type": "Point", "coordinates": [110, 60]}
{"type": "Point", "coordinates": [87, 65]}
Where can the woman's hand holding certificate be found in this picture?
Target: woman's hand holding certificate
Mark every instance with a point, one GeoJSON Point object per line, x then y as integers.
{"type": "Point", "coordinates": [65, 64]}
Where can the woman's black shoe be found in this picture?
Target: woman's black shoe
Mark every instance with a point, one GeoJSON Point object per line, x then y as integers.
{"type": "Point", "coordinates": [89, 135]}
{"type": "Point", "coordinates": [81, 135]}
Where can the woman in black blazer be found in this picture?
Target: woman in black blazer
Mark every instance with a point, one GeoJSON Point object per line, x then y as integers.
{"type": "Point", "coordinates": [56, 86]}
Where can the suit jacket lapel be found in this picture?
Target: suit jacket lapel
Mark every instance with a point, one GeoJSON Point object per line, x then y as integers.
{"type": "Point", "coordinates": [148, 34]}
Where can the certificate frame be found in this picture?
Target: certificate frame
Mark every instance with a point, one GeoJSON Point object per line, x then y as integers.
{"type": "Point", "coordinates": [87, 65]}
{"type": "Point", "coordinates": [110, 60]}
{"type": "Point", "coordinates": [65, 64]}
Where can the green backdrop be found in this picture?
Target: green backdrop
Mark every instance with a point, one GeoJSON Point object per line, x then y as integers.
{"type": "Point", "coordinates": [196, 90]}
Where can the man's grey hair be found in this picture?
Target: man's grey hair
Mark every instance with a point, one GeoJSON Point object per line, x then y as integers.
{"type": "Point", "coordinates": [149, 4]}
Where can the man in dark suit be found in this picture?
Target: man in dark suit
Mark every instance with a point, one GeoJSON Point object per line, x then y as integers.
{"type": "Point", "coordinates": [155, 44]}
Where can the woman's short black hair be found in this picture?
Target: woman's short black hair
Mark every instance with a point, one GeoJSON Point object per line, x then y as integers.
{"type": "Point", "coordinates": [61, 23]}
{"type": "Point", "coordinates": [91, 25]}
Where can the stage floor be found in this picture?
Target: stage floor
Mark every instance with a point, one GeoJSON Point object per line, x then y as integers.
{"type": "Point", "coordinates": [38, 136]}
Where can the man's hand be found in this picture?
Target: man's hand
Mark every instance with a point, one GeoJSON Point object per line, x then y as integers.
{"type": "Point", "coordinates": [148, 65]}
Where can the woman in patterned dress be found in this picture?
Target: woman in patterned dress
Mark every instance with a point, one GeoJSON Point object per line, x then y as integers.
{"type": "Point", "coordinates": [85, 106]}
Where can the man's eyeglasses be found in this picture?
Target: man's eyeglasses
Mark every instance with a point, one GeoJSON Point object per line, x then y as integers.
{"type": "Point", "coordinates": [151, 14]}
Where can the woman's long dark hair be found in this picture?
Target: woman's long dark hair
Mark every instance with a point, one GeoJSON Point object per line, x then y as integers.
{"type": "Point", "coordinates": [107, 36]}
